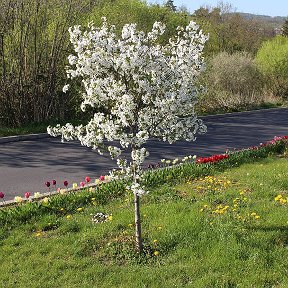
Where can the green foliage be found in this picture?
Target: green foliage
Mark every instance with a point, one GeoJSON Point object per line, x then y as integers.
{"type": "Point", "coordinates": [272, 61]}
{"type": "Point", "coordinates": [120, 12]}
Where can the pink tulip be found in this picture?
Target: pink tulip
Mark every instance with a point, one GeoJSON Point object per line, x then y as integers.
{"type": "Point", "coordinates": [82, 184]}
{"type": "Point", "coordinates": [102, 178]}
{"type": "Point", "coordinates": [2, 195]}
{"type": "Point", "coordinates": [27, 194]}
{"type": "Point", "coordinates": [87, 179]}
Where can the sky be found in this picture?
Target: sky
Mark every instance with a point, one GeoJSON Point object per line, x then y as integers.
{"type": "Point", "coordinates": [260, 7]}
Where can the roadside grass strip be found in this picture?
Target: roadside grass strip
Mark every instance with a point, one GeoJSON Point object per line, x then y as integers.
{"type": "Point", "coordinates": [224, 225]}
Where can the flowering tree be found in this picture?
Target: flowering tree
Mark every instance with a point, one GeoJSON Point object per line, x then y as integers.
{"type": "Point", "coordinates": [138, 89]}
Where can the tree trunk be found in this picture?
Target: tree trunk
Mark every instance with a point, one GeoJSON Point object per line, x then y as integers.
{"type": "Point", "coordinates": [138, 233]}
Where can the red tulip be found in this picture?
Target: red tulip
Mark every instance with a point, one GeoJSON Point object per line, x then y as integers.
{"type": "Point", "coordinates": [54, 182]}
{"type": "Point", "coordinates": [82, 184]}
{"type": "Point", "coordinates": [65, 183]}
{"type": "Point", "coordinates": [47, 184]}
{"type": "Point", "coordinates": [87, 179]}
{"type": "Point", "coordinates": [102, 178]}
{"type": "Point", "coordinates": [27, 194]}
{"type": "Point", "coordinates": [2, 195]}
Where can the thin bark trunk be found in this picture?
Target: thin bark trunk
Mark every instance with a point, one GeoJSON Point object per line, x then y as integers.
{"type": "Point", "coordinates": [138, 233]}
{"type": "Point", "coordinates": [3, 58]}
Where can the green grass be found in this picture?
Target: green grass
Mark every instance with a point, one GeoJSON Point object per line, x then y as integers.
{"type": "Point", "coordinates": [196, 249]}
{"type": "Point", "coordinates": [29, 129]}
{"type": "Point", "coordinates": [241, 108]}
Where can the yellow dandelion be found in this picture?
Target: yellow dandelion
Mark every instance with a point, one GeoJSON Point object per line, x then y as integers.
{"type": "Point", "coordinates": [159, 228]}
{"type": "Point", "coordinates": [253, 214]}
{"type": "Point", "coordinates": [156, 253]}
{"type": "Point", "coordinates": [130, 225]}
{"type": "Point", "coordinates": [69, 216]}
{"type": "Point", "coordinates": [257, 217]}
{"type": "Point", "coordinates": [155, 241]}
{"type": "Point", "coordinates": [80, 209]}
{"type": "Point", "coordinates": [283, 201]}
{"type": "Point", "coordinates": [110, 217]}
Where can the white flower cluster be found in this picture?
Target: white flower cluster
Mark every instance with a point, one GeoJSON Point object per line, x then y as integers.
{"type": "Point", "coordinates": [137, 189]}
{"type": "Point", "coordinates": [138, 88]}
{"type": "Point", "coordinates": [100, 217]}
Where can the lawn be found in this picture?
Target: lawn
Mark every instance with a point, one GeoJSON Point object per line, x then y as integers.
{"type": "Point", "coordinates": [221, 230]}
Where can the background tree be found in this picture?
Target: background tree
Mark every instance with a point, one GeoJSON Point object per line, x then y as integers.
{"type": "Point", "coordinates": [285, 28]}
{"type": "Point", "coordinates": [230, 31]}
{"type": "Point", "coordinates": [170, 5]}
{"type": "Point", "coordinates": [138, 90]}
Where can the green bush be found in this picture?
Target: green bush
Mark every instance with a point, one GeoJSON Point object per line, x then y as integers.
{"type": "Point", "coordinates": [272, 61]}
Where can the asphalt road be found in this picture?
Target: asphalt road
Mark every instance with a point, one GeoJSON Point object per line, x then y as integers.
{"type": "Point", "coordinates": [27, 165]}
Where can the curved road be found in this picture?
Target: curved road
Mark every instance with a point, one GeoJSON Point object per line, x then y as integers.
{"type": "Point", "coordinates": [27, 165]}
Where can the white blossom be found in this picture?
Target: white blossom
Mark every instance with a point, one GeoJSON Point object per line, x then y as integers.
{"type": "Point", "coordinates": [65, 88]}
{"type": "Point", "coordinates": [138, 88]}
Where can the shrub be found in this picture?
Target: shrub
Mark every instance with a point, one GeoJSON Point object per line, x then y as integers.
{"type": "Point", "coordinates": [272, 61]}
{"type": "Point", "coordinates": [232, 80]}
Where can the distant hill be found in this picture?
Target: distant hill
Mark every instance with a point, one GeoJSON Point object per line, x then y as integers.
{"type": "Point", "coordinates": [274, 22]}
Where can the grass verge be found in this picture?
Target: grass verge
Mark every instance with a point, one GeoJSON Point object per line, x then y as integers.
{"type": "Point", "coordinates": [223, 228]}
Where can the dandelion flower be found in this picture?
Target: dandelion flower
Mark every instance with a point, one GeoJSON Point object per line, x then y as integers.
{"type": "Point", "coordinates": [156, 253]}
